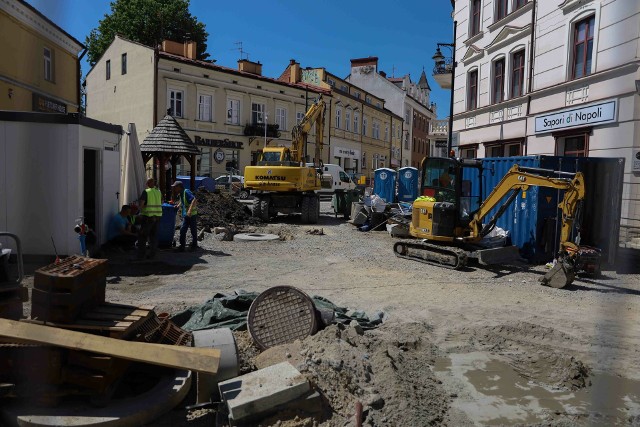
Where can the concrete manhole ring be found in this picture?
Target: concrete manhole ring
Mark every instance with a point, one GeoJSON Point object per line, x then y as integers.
{"type": "Point", "coordinates": [255, 237]}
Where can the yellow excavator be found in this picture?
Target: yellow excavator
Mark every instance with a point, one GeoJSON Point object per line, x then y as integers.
{"type": "Point", "coordinates": [281, 180]}
{"type": "Point", "coordinates": [451, 220]}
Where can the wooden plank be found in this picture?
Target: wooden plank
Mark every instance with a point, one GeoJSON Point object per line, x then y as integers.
{"type": "Point", "coordinates": [110, 316]}
{"type": "Point", "coordinates": [92, 326]}
{"type": "Point", "coordinates": [196, 359]}
{"type": "Point", "coordinates": [118, 310]}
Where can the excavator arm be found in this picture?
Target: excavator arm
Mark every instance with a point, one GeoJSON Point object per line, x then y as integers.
{"type": "Point", "coordinates": [299, 133]}
{"type": "Point", "coordinates": [519, 179]}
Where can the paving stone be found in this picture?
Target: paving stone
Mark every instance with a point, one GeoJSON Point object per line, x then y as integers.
{"type": "Point", "coordinates": [262, 390]}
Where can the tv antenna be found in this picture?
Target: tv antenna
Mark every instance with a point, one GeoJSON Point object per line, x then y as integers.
{"type": "Point", "coordinates": [241, 50]}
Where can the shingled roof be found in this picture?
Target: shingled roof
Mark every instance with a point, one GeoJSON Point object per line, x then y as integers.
{"type": "Point", "coordinates": [168, 137]}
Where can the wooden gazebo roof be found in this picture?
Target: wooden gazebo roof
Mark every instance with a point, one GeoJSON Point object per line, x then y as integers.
{"type": "Point", "coordinates": [168, 142]}
{"type": "Point", "coordinates": [168, 137]}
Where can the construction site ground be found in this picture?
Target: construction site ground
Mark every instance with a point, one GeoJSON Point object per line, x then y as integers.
{"type": "Point", "coordinates": [473, 347]}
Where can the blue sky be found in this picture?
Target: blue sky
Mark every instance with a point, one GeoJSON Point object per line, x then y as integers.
{"type": "Point", "coordinates": [316, 33]}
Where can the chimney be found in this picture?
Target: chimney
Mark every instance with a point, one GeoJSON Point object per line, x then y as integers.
{"type": "Point", "coordinates": [187, 49]}
{"type": "Point", "coordinates": [383, 74]}
{"type": "Point", "coordinates": [294, 71]}
{"type": "Point", "coordinates": [363, 62]}
{"type": "Point", "coordinates": [251, 67]}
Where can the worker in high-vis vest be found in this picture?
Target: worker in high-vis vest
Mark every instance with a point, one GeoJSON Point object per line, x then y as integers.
{"type": "Point", "coordinates": [150, 213]}
{"type": "Point", "coordinates": [188, 204]}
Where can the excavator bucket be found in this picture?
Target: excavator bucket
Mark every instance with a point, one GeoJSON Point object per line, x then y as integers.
{"type": "Point", "coordinates": [561, 275]}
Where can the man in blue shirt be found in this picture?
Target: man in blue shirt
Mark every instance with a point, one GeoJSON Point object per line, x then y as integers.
{"type": "Point", "coordinates": [119, 233]}
{"type": "Point", "coordinates": [189, 215]}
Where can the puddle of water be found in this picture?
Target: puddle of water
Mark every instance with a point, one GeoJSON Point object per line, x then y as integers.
{"type": "Point", "coordinates": [494, 393]}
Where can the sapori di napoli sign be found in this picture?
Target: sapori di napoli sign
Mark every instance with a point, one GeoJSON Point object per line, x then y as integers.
{"type": "Point", "coordinates": [600, 113]}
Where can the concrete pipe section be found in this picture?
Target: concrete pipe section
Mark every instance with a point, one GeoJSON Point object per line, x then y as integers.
{"type": "Point", "coordinates": [223, 340]}
{"type": "Point", "coordinates": [255, 237]}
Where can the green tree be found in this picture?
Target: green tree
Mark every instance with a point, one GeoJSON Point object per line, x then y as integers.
{"type": "Point", "coordinates": [147, 22]}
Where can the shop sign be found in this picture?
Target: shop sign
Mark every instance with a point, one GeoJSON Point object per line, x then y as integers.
{"type": "Point", "coordinates": [346, 152]}
{"type": "Point", "coordinates": [222, 143]}
{"type": "Point", "coordinates": [441, 144]}
{"type": "Point", "coordinates": [635, 162]}
{"type": "Point", "coordinates": [600, 113]}
{"type": "Point", "coordinates": [47, 105]}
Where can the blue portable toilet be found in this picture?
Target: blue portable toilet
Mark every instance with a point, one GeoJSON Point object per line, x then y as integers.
{"type": "Point", "coordinates": [384, 184]}
{"type": "Point", "coordinates": [209, 184]}
{"type": "Point", "coordinates": [407, 184]}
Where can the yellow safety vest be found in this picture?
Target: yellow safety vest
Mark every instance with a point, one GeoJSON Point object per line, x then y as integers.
{"type": "Point", "coordinates": [185, 205]}
{"type": "Point", "coordinates": [153, 207]}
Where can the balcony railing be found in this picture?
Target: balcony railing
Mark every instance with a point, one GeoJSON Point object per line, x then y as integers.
{"type": "Point", "coordinates": [257, 129]}
{"type": "Point", "coordinates": [439, 127]}
{"type": "Point", "coordinates": [442, 73]}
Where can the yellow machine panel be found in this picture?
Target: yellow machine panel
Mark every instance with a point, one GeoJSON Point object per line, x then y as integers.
{"type": "Point", "coordinates": [281, 178]}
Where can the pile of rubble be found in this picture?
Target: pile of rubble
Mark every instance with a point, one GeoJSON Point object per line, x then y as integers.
{"type": "Point", "coordinates": [221, 209]}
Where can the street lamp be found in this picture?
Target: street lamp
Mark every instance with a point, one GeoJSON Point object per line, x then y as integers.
{"type": "Point", "coordinates": [441, 68]}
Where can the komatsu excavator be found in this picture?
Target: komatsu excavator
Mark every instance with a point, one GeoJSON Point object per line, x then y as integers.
{"type": "Point", "coordinates": [281, 180]}
{"type": "Point", "coordinates": [452, 223]}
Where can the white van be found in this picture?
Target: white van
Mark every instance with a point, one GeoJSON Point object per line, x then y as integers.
{"type": "Point", "coordinates": [334, 178]}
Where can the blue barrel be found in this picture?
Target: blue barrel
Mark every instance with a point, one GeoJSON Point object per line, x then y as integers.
{"type": "Point", "coordinates": [167, 225]}
{"type": "Point", "coordinates": [201, 181]}
{"type": "Point", "coordinates": [384, 184]}
{"type": "Point", "coordinates": [407, 184]}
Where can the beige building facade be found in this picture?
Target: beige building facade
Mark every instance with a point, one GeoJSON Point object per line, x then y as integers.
{"type": "Point", "coordinates": [39, 70]}
{"type": "Point", "coordinates": [223, 110]}
{"type": "Point", "coordinates": [362, 134]}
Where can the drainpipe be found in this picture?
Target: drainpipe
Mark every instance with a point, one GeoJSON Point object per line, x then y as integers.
{"type": "Point", "coordinates": [155, 86]}
{"type": "Point", "coordinates": [79, 96]}
{"type": "Point", "coordinates": [530, 82]}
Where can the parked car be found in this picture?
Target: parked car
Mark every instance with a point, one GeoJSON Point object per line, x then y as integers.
{"type": "Point", "coordinates": [234, 184]}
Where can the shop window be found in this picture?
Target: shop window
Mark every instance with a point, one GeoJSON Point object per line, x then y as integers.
{"type": "Point", "coordinates": [476, 7]}
{"type": "Point", "coordinates": [468, 153]}
{"type": "Point", "coordinates": [582, 47]}
{"type": "Point", "coordinates": [517, 74]}
{"type": "Point", "coordinates": [472, 90]}
{"type": "Point", "coordinates": [503, 149]}
{"type": "Point", "coordinates": [572, 145]}
{"type": "Point", "coordinates": [498, 81]}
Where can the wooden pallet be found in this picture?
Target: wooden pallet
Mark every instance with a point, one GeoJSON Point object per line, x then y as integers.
{"type": "Point", "coordinates": [108, 319]}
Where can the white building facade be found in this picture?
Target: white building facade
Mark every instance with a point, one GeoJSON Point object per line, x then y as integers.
{"type": "Point", "coordinates": [401, 95]}
{"type": "Point", "coordinates": [553, 77]}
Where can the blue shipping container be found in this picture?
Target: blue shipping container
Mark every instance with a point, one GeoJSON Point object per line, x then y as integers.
{"type": "Point", "coordinates": [534, 220]}
{"type": "Point", "coordinates": [384, 184]}
{"type": "Point", "coordinates": [201, 181]}
{"type": "Point", "coordinates": [407, 184]}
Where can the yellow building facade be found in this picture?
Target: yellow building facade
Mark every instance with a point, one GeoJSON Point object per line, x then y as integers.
{"type": "Point", "coordinates": [364, 135]}
{"type": "Point", "coordinates": [39, 70]}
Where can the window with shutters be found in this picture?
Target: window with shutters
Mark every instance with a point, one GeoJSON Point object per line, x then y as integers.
{"type": "Point", "coordinates": [204, 108]}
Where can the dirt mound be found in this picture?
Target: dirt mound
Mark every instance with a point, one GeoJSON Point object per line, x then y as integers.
{"type": "Point", "coordinates": [386, 369]}
{"type": "Point", "coordinates": [222, 210]}
{"type": "Point", "coordinates": [532, 350]}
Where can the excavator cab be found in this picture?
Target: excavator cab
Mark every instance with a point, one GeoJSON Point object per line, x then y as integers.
{"type": "Point", "coordinates": [447, 202]}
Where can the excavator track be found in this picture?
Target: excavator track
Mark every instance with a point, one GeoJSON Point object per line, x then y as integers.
{"type": "Point", "coordinates": [442, 256]}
